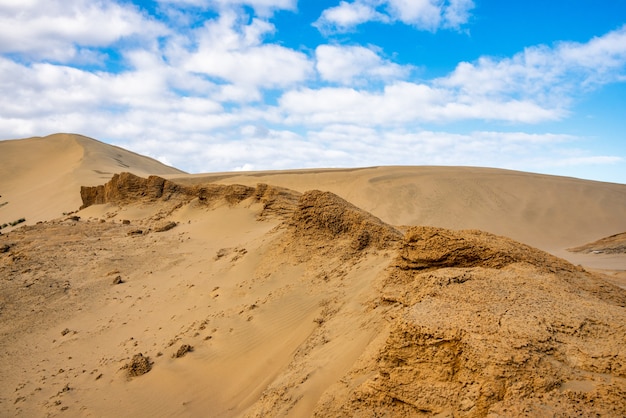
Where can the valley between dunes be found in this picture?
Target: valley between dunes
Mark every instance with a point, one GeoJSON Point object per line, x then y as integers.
{"type": "Point", "coordinates": [373, 292]}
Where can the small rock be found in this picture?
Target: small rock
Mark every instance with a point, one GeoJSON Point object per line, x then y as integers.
{"type": "Point", "coordinates": [184, 349]}
{"type": "Point", "coordinates": [165, 227]}
{"type": "Point", "coordinates": [138, 365]}
{"type": "Point", "coordinates": [118, 280]}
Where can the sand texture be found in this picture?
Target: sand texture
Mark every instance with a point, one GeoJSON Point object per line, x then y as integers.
{"type": "Point", "coordinates": [177, 295]}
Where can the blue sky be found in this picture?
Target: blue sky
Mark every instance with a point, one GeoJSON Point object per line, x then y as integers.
{"type": "Point", "coordinates": [220, 85]}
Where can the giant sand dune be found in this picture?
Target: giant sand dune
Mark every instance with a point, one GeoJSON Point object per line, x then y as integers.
{"type": "Point", "coordinates": [387, 291]}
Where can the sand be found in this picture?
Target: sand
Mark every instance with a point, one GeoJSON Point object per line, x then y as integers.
{"type": "Point", "coordinates": [548, 212]}
{"type": "Point", "coordinates": [40, 178]}
{"type": "Point", "coordinates": [369, 292]}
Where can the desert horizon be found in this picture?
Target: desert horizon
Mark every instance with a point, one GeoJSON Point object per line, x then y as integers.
{"type": "Point", "coordinates": [134, 289]}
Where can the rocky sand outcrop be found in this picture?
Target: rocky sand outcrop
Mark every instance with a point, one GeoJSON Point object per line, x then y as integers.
{"type": "Point", "coordinates": [295, 305]}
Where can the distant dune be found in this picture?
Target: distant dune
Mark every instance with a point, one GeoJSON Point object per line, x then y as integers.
{"type": "Point", "coordinates": [385, 291]}
{"type": "Point", "coordinates": [40, 178]}
{"type": "Point", "coordinates": [614, 244]}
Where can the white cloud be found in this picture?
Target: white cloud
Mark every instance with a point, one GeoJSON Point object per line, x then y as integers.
{"type": "Point", "coordinates": [355, 64]}
{"type": "Point", "coordinates": [588, 160]}
{"type": "Point", "coordinates": [548, 78]}
{"type": "Point", "coordinates": [429, 15]}
{"type": "Point", "coordinates": [457, 13]}
{"type": "Point", "coordinates": [425, 14]}
{"type": "Point", "coordinates": [60, 29]}
{"type": "Point", "coordinates": [401, 103]}
{"type": "Point", "coordinates": [346, 16]}
{"type": "Point", "coordinates": [335, 146]}
{"type": "Point", "coordinates": [231, 50]}
{"type": "Point", "coordinates": [261, 5]}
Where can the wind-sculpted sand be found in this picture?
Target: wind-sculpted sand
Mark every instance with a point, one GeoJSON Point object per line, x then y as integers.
{"type": "Point", "coordinates": [189, 297]}
{"type": "Point", "coordinates": [318, 308]}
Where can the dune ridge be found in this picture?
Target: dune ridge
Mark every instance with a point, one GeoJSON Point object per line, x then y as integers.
{"type": "Point", "coordinates": [547, 212]}
{"type": "Point", "coordinates": [294, 304]}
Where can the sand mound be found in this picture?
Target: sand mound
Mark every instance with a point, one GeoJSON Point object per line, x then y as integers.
{"type": "Point", "coordinates": [615, 244]}
{"type": "Point", "coordinates": [432, 248]}
{"type": "Point", "coordinates": [479, 326]}
{"type": "Point", "coordinates": [531, 208]}
{"type": "Point", "coordinates": [326, 216]}
{"type": "Point", "coordinates": [139, 365]}
{"type": "Point", "coordinates": [129, 188]}
{"type": "Point", "coordinates": [182, 350]}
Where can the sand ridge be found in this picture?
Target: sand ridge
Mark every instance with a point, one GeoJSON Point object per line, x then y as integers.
{"type": "Point", "coordinates": [317, 308]}
{"type": "Point", "coordinates": [548, 212]}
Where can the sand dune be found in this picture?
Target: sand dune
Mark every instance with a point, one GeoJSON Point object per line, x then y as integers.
{"type": "Point", "coordinates": [40, 178]}
{"type": "Point", "coordinates": [294, 294]}
{"type": "Point", "coordinates": [42, 175]}
{"type": "Point", "coordinates": [614, 244]}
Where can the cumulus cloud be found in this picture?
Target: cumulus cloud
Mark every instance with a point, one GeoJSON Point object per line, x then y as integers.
{"type": "Point", "coordinates": [544, 75]}
{"type": "Point", "coordinates": [457, 13]}
{"type": "Point", "coordinates": [429, 15]}
{"type": "Point", "coordinates": [401, 103]}
{"type": "Point", "coordinates": [348, 15]}
{"type": "Point", "coordinates": [334, 145]}
{"type": "Point", "coordinates": [232, 50]}
{"type": "Point", "coordinates": [424, 14]}
{"type": "Point", "coordinates": [60, 30]}
{"type": "Point", "coordinates": [355, 64]}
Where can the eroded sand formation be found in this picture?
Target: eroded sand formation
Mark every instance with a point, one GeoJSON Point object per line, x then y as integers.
{"type": "Point", "coordinates": [295, 304]}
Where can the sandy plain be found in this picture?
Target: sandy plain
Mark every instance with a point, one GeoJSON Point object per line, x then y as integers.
{"type": "Point", "coordinates": [383, 291]}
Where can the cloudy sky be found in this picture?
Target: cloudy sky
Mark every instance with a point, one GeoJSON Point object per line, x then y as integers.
{"type": "Point", "coordinates": [220, 85]}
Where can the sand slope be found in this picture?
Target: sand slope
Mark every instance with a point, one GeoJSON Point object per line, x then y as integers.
{"type": "Point", "coordinates": [614, 244]}
{"type": "Point", "coordinates": [262, 301]}
{"type": "Point", "coordinates": [40, 177]}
